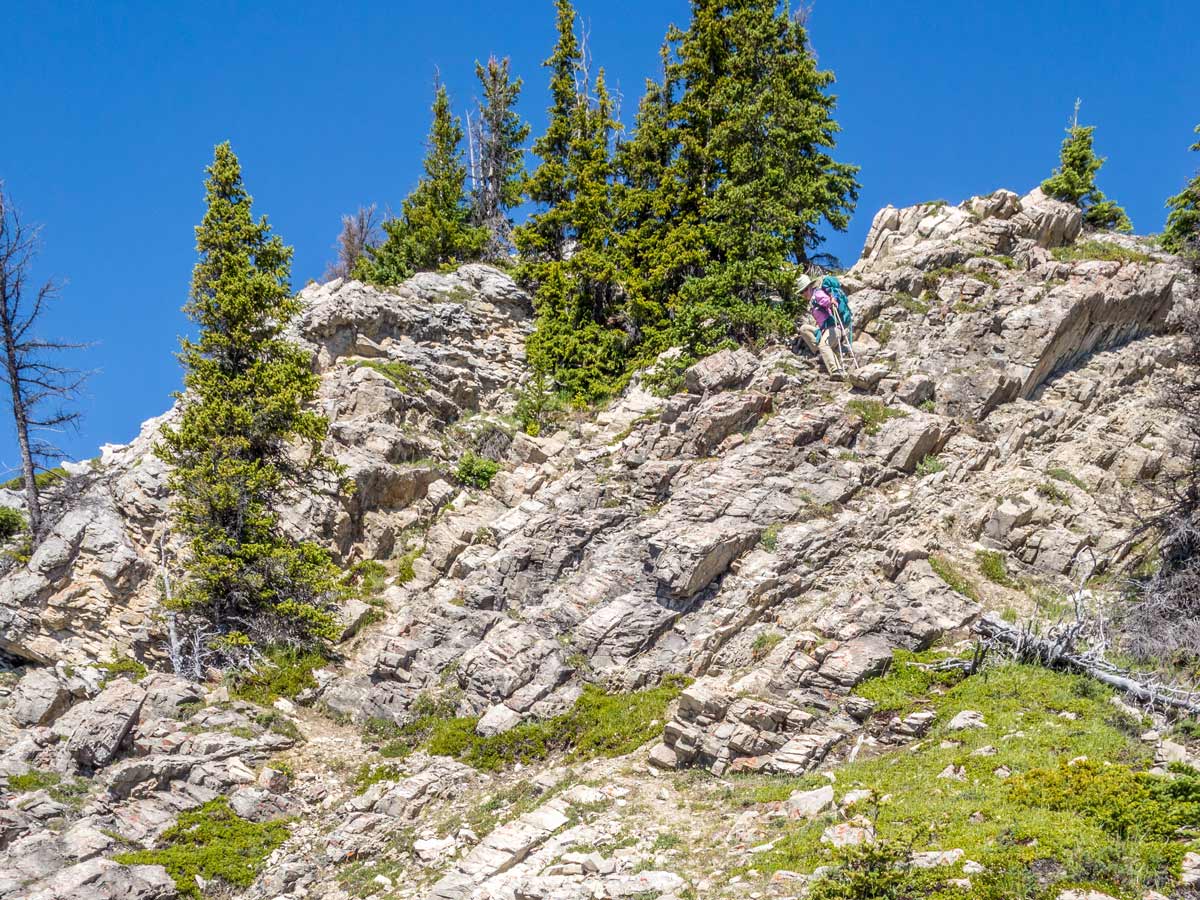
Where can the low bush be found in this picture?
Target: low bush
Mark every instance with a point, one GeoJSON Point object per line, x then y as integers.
{"type": "Point", "coordinates": [907, 680]}
{"type": "Point", "coordinates": [12, 523]}
{"type": "Point", "coordinates": [213, 843]}
{"type": "Point", "coordinates": [930, 464]}
{"type": "Point", "coordinates": [121, 666]}
{"type": "Point", "coordinates": [476, 471]}
{"type": "Point", "coordinates": [763, 645]}
{"type": "Point", "coordinates": [873, 413]}
{"type": "Point", "coordinates": [41, 479]}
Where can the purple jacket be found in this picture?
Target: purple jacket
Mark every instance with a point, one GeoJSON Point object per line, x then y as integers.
{"type": "Point", "coordinates": [821, 305]}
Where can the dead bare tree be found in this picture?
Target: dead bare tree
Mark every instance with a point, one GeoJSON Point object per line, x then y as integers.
{"type": "Point", "coordinates": [359, 231]}
{"type": "Point", "coordinates": [1162, 620]}
{"type": "Point", "coordinates": [40, 388]}
{"type": "Point", "coordinates": [496, 140]}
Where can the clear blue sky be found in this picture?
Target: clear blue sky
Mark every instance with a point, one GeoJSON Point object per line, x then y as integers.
{"type": "Point", "coordinates": [112, 109]}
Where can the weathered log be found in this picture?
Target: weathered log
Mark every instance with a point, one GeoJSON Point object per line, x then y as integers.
{"type": "Point", "coordinates": [1057, 652]}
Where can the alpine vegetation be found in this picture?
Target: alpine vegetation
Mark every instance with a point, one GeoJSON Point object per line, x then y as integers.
{"type": "Point", "coordinates": [246, 436]}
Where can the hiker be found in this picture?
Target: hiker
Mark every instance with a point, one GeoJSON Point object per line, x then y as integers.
{"type": "Point", "coordinates": [824, 308]}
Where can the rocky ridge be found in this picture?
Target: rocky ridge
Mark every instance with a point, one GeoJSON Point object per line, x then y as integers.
{"type": "Point", "coordinates": [766, 531]}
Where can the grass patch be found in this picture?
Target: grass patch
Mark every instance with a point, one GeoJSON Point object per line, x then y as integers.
{"type": "Point", "coordinates": [214, 843]}
{"type": "Point", "coordinates": [764, 644]}
{"type": "Point", "coordinates": [873, 413]}
{"type": "Point", "coordinates": [915, 305]}
{"type": "Point", "coordinates": [284, 673]}
{"type": "Point", "coordinates": [994, 568]}
{"type": "Point", "coordinates": [1101, 250]}
{"type": "Point", "coordinates": [598, 725]}
{"type": "Point", "coordinates": [476, 471]}
{"type": "Point", "coordinates": [43, 480]}
{"type": "Point", "coordinates": [1100, 822]}
{"type": "Point", "coordinates": [12, 523]}
{"type": "Point", "coordinates": [368, 578]}
{"type": "Point", "coordinates": [68, 791]}
{"type": "Point", "coordinates": [957, 581]}
{"type": "Point", "coordinates": [907, 680]}
{"type": "Point", "coordinates": [1070, 478]}
{"type": "Point", "coordinates": [769, 539]}
{"type": "Point", "coordinates": [930, 464]}
{"type": "Point", "coordinates": [935, 277]}
{"type": "Point", "coordinates": [405, 378]}
{"type": "Point", "coordinates": [405, 571]}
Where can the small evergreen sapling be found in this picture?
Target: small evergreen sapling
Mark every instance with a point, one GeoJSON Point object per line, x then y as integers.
{"type": "Point", "coordinates": [1074, 181]}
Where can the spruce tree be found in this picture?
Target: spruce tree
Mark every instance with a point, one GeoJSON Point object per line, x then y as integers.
{"type": "Point", "coordinates": [1182, 233]}
{"type": "Point", "coordinates": [544, 234]}
{"type": "Point", "coordinates": [434, 228]}
{"type": "Point", "coordinates": [751, 177]}
{"type": "Point", "coordinates": [498, 166]}
{"type": "Point", "coordinates": [246, 439]}
{"type": "Point", "coordinates": [1074, 181]}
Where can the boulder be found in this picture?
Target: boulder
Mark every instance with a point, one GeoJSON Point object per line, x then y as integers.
{"type": "Point", "coordinates": [40, 697]}
{"type": "Point", "coordinates": [93, 731]}
{"type": "Point", "coordinates": [721, 371]}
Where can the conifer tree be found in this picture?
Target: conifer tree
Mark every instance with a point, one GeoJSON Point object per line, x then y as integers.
{"type": "Point", "coordinates": [578, 341]}
{"type": "Point", "coordinates": [246, 439]}
{"type": "Point", "coordinates": [498, 166]}
{"type": "Point", "coordinates": [1074, 181]}
{"type": "Point", "coordinates": [434, 228]}
{"type": "Point", "coordinates": [544, 235]}
{"type": "Point", "coordinates": [751, 176]}
{"type": "Point", "coordinates": [1182, 234]}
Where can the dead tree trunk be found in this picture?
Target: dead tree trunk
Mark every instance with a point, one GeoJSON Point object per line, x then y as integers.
{"type": "Point", "coordinates": [37, 386]}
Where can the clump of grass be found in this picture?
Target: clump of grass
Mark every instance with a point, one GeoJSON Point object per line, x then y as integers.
{"type": "Point", "coordinates": [873, 413]}
{"type": "Point", "coordinates": [214, 843]}
{"type": "Point", "coordinates": [928, 406]}
{"type": "Point", "coordinates": [368, 577]}
{"type": "Point", "coordinates": [68, 791]}
{"type": "Point", "coordinates": [934, 277]}
{"type": "Point", "coordinates": [907, 680]}
{"type": "Point", "coordinates": [405, 570]}
{"type": "Point", "coordinates": [1101, 822]}
{"type": "Point", "coordinates": [277, 722]}
{"type": "Point", "coordinates": [1053, 493]}
{"type": "Point", "coordinates": [909, 303]}
{"type": "Point", "coordinates": [401, 374]}
{"type": "Point", "coordinates": [41, 479]}
{"type": "Point", "coordinates": [1059, 474]}
{"type": "Point", "coordinates": [994, 568]}
{"type": "Point", "coordinates": [369, 774]}
{"type": "Point", "coordinates": [769, 539]}
{"type": "Point", "coordinates": [285, 672]}
{"type": "Point", "coordinates": [958, 582]}
{"type": "Point", "coordinates": [764, 644]}
{"type": "Point", "coordinates": [1099, 250]}
{"type": "Point", "coordinates": [929, 464]}
{"type": "Point", "coordinates": [476, 471]}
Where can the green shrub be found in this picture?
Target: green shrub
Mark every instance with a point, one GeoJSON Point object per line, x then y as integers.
{"type": "Point", "coordinates": [666, 378]}
{"type": "Point", "coordinates": [283, 672]}
{"type": "Point", "coordinates": [476, 471]}
{"type": "Point", "coordinates": [1053, 493]}
{"type": "Point", "coordinates": [769, 539]}
{"type": "Point", "coordinates": [1101, 250]}
{"type": "Point", "coordinates": [12, 523]}
{"type": "Point", "coordinates": [877, 871]}
{"type": "Point", "coordinates": [123, 665]}
{"type": "Point", "coordinates": [538, 405]}
{"type": "Point", "coordinates": [946, 571]}
{"type": "Point", "coordinates": [369, 577]}
{"type": "Point", "coordinates": [873, 413]}
{"type": "Point", "coordinates": [405, 570]}
{"type": "Point", "coordinates": [214, 843]}
{"type": "Point", "coordinates": [916, 306]}
{"type": "Point", "coordinates": [930, 464]}
{"type": "Point", "coordinates": [42, 479]}
{"type": "Point", "coordinates": [994, 568]}
{"type": "Point", "coordinates": [927, 406]}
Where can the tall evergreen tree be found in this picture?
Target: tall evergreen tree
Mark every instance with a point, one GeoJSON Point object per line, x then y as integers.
{"type": "Point", "coordinates": [544, 235]}
{"type": "Point", "coordinates": [578, 340]}
{"type": "Point", "coordinates": [1074, 181]}
{"type": "Point", "coordinates": [751, 176]}
{"type": "Point", "coordinates": [498, 165]}
{"type": "Point", "coordinates": [1182, 234]}
{"type": "Point", "coordinates": [434, 228]}
{"type": "Point", "coordinates": [246, 439]}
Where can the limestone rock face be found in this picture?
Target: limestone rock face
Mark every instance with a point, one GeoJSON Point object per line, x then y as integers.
{"type": "Point", "coordinates": [771, 534]}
